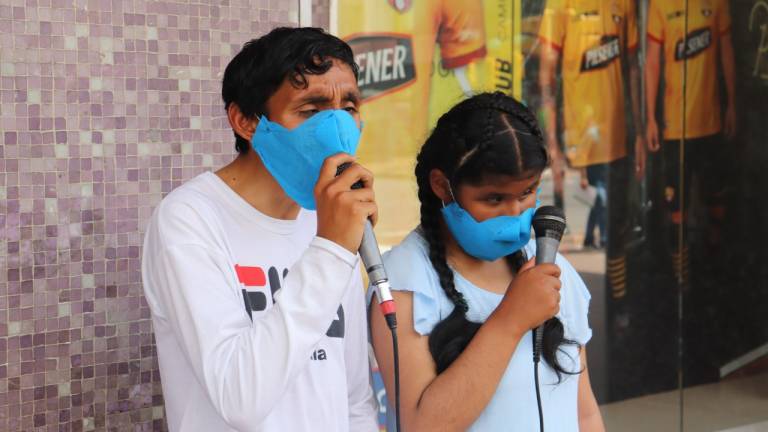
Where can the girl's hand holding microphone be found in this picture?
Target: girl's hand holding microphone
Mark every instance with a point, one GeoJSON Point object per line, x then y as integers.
{"type": "Point", "coordinates": [532, 298]}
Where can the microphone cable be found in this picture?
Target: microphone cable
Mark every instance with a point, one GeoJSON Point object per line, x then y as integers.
{"type": "Point", "coordinates": [538, 336]}
{"type": "Point", "coordinates": [391, 320]}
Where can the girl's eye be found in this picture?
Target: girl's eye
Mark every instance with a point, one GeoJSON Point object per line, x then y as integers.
{"type": "Point", "coordinates": [494, 199]}
{"type": "Point", "coordinates": [526, 194]}
{"type": "Point", "coordinates": [350, 109]}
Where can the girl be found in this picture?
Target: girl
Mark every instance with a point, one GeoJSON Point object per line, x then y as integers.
{"type": "Point", "coordinates": [469, 292]}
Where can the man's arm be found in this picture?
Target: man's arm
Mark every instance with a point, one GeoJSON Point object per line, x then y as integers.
{"type": "Point", "coordinates": [634, 88]}
{"type": "Point", "coordinates": [634, 93]}
{"type": "Point", "coordinates": [549, 59]}
{"type": "Point", "coordinates": [243, 367]}
{"type": "Point", "coordinates": [362, 404]}
{"type": "Point", "coordinates": [651, 91]}
{"type": "Point", "coordinates": [461, 77]}
{"type": "Point", "coordinates": [726, 57]}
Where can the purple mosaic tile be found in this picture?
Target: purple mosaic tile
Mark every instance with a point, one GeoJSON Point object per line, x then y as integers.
{"type": "Point", "coordinates": [107, 106]}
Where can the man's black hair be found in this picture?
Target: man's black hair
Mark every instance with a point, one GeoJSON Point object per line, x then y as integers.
{"type": "Point", "coordinates": [257, 71]}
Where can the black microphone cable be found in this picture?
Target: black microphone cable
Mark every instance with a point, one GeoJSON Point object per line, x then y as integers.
{"type": "Point", "coordinates": [538, 337]}
{"type": "Point", "coordinates": [391, 319]}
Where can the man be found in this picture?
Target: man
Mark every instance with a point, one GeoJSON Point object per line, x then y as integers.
{"type": "Point", "coordinates": [595, 39]}
{"type": "Point", "coordinates": [257, 301]}
{"type": "Point", "coordinates": [693, 140]}
{"type": "Point", "coordinates": [690, 60]}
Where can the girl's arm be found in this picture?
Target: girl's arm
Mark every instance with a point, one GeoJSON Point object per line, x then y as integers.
{"type": "Point", "coordinates": [452, 400]}
{"type": "Point", "coordinates": [590, 419]}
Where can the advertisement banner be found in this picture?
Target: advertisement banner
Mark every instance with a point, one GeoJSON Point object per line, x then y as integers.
{"type": "Point", "coordinates": [417, 59]}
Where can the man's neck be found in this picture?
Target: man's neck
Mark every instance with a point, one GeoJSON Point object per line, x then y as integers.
{"type": "Point", "coordinates": [249, 178]}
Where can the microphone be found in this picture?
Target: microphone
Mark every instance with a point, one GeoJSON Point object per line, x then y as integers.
{"type": "Point", "coordinates": [549, 224]}
{"type": "Point", "coordinates": [371, 256]}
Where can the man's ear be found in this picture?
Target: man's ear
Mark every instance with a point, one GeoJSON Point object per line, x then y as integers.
{"type": "Point", "coordinates": [241, 124]}
{"type": "Point", "coordinates": [440, 186]}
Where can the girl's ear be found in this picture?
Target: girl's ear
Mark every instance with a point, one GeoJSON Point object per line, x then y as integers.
{"type": "Point", "coordinates": [440, 186]}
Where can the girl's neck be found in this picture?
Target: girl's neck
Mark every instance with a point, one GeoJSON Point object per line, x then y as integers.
{"type": "Point", "coordinates": [494, 276]}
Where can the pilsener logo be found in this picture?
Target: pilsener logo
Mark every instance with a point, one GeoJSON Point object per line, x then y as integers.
{"type": "Point", "coordinates": [697, 41]}
{"type": "Point", "coordinates": [386, 63]}
{"type": "Point", "coordinates": [601, 55]}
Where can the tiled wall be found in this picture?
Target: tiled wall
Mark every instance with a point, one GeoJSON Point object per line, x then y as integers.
{"type": "Point", "coordinates": [107, 105]}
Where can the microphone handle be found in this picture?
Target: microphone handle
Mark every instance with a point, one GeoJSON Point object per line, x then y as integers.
{"type": "Point", "coordinates": [546, 251]}
{"type": "Point", "coordinates": [371, 256]}
{"type": "Point", "coordinates": [374, 266]}
{"type": "Point", "coordinates": [377, 274]}
{"type": "Point", "coordinates": [538, 342]}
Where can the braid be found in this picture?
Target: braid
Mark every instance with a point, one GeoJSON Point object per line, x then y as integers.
{"type": "Point", "coordinates": [488, 132]}
{"type": "Point", "coordinates": [450, 337]}
{"type": "Point", "coordinates": [517, 110]}
{"type": "Point", "coordinates": [493, 104]}
{"type": "Point", "coordinates": [430, 224]}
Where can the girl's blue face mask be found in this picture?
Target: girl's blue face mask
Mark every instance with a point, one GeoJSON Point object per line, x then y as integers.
{"type": "Point", "coordinates": [492, 238]}
{"type": "Point", "coordinates": [294, 156]}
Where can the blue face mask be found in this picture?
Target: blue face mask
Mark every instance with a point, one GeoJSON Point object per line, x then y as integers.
{"type": "Point", "coordinates": [294, 156]}
{"type": "Point", "coordinates": [492, 238]}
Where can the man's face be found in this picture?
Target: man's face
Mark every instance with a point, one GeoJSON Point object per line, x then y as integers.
{"type": "Point", "coordinates": [335, 89]}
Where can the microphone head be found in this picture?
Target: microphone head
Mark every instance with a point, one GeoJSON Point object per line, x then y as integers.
{"type": "Point", "coordinates": [549, 221]}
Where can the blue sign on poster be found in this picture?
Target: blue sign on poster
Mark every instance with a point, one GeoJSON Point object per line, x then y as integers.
{"type": "Point", "coordinates": [381, 396]}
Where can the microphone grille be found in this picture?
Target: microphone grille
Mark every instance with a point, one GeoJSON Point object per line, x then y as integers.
{"type": "Point", "coordinates": [549, 221]}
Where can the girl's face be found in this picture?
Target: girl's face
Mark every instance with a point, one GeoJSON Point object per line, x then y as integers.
{"type": "Point", "coordinates": [499, 195]}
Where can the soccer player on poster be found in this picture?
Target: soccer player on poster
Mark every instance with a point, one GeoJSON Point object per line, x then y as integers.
{"type": "Point", "coordinates": [693, 139]}
{"type": "Point", "coordinates": [595, 39]}
{"type": "Point", "coordinates": [701, 127]}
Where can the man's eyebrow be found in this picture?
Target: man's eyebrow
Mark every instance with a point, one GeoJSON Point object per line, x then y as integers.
{"type": "Point", "coordinates": [323, 98]}
{"type": "Point", "coordinates": [352, 96]}
{"type": "Point", "coordinates": [314, 98]}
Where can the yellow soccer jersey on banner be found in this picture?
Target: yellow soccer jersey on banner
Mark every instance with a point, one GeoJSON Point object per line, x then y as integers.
{"type": "Point", "coordinates": [394, 42]}
{"type": "Point", "coordinates": [592, 36]}
{"type": "Point", "coordinates": [707, 21]}
{"type": "Point", "coordinates": [500, 70]}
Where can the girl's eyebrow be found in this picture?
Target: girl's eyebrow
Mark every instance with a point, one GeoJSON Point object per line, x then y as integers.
{"type": "Point", "coordinates": [531, 186]}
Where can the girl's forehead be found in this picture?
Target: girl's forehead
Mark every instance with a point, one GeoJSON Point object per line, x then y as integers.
{"type": "Point", "coordinates": [505, 182]}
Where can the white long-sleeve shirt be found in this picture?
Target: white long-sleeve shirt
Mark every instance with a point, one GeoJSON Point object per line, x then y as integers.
{"type": "Point", "coordinates": [260, 325]}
